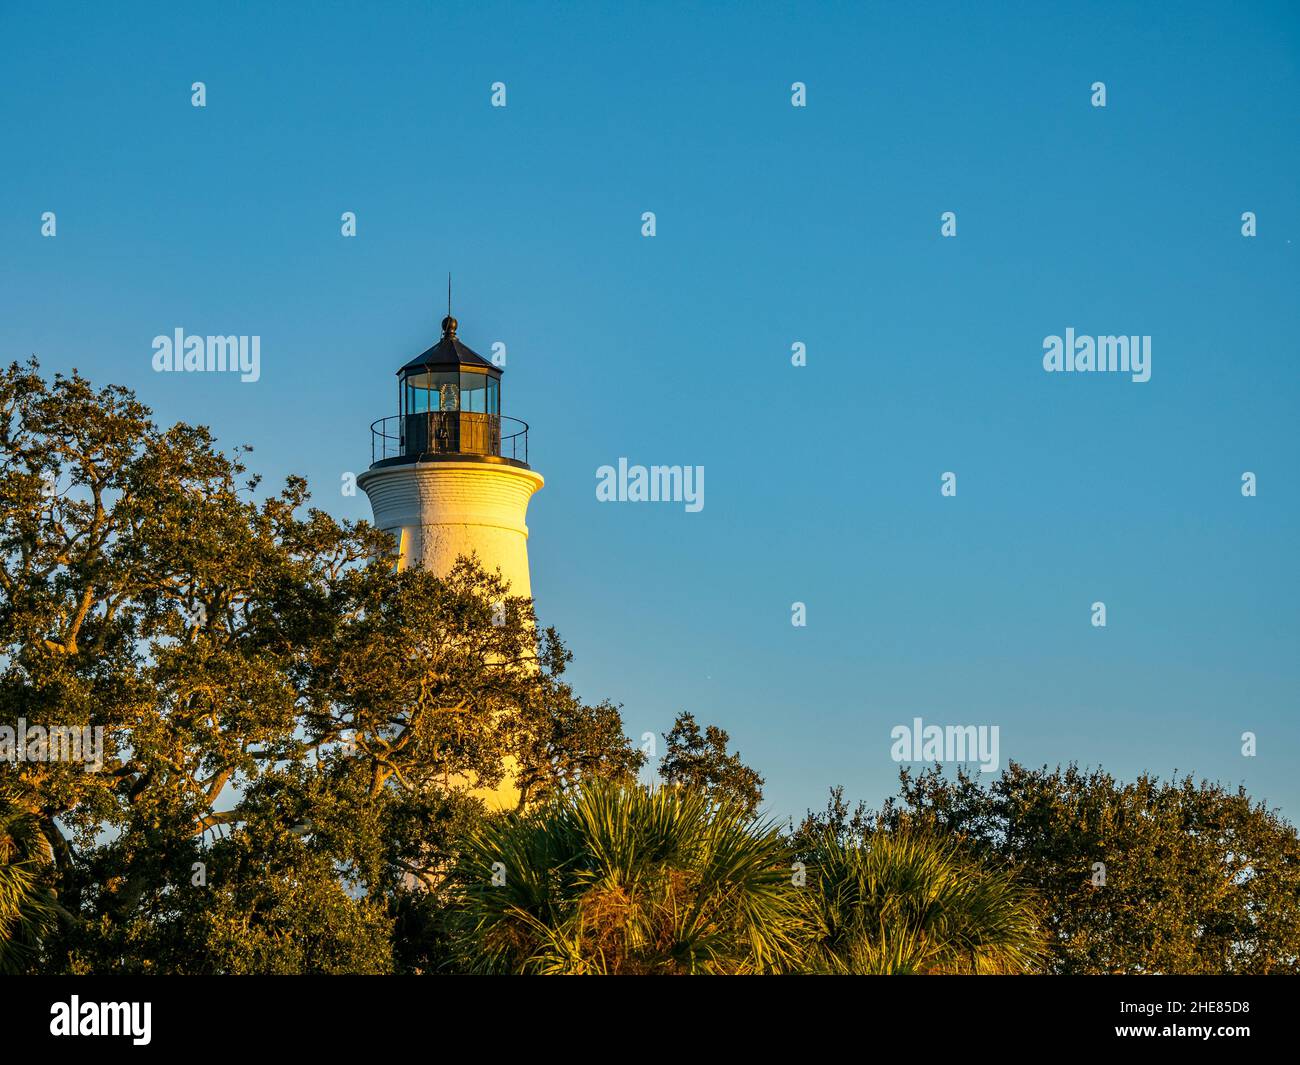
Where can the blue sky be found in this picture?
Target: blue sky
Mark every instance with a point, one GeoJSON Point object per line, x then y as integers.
{"type": "Point", "coordinates": [775, 224]}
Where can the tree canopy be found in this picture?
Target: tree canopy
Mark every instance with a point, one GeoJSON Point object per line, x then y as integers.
{"type": "Point", "coordinates": [297, 735]}
{"type": "Point", "coordinates": [1150, 876]}
{"type": "Point", "coordinates": [293, 731]}
{"type": "Point", "coordinates": [700, 760]}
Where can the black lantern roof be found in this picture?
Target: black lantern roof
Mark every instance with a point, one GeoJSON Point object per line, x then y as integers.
{"type": "Point", "coordinates": [449, 353]}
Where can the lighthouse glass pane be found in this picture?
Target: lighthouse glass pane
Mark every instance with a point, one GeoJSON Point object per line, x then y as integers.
{"type": "Point", "coordinates": [473, 393]}
{"type": "Point", "coordinates": [493, 396]}
{"type": "Point", "coordinates": [417, 394]}
{"type": "Point", "coordinates": [432, 392]}
{"type": "Point", "coordinates": [445, 391]}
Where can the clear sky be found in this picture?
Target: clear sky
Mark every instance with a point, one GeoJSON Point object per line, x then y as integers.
{"type": "Point", "coordinates": [775, 225]}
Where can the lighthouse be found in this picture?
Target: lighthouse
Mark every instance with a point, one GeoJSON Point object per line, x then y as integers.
{"type": "Point", "coordinates": [449, 474]}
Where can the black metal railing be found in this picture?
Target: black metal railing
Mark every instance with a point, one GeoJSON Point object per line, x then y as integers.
{"type": "Point", "coordinates": [451, 432]}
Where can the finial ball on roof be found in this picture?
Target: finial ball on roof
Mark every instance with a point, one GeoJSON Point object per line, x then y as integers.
{"type": "Point", "coordinates": [449, 326]}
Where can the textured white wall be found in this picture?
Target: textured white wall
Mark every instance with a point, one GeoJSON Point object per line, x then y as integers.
{"type": "Point", "coordinates": [438, 511]}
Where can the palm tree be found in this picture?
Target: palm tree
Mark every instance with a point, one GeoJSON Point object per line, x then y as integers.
{"type": "Point", "coordinates": [911, 902]}
{"type": "Point", "coordinates": [26, 904]}
{"type": "Point", "coordinates": [617, 879]}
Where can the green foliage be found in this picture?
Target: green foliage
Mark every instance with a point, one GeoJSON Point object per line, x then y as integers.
{"type": "Point", "coordinates": [576, 744]}
{"type": "Point", "coordinates": [839, 822]}
{"type": "Point", "coordinates": [295, 735]}
{"type": "Point", "coordinates": [280, 706]}
{"type": "Point", "coordinates": [27, 910]}
{"type": "Point", "coordinates": [701, 761]}
{"type": "Point", "coordinates": [909, 903]}
{"type": "Point", "coordinates": [1198, 878]}
{"type": "Point", "coordinates": [622, 880]}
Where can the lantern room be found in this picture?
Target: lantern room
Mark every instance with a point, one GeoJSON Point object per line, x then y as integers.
{"type": "Point", "coordinates": [449, 405]}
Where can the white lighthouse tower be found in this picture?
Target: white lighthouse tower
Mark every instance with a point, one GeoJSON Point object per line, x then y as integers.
{"type": "Point", "coordinates": [449, 475]}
